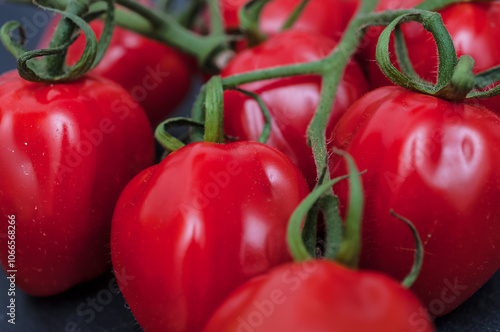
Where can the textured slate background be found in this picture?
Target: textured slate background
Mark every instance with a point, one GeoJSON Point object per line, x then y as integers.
{"type": "Point", "coordinates": [71, 310]}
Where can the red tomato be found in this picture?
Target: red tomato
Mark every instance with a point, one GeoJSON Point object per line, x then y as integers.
{"type": "Point", "coordinates": [474, 27]}
{"type": "Point", "coordinates": [320, 296]}
{"type": "Point", "coordinates": [158, 77]}
{"type": "Point", "coordinates": [67, 150]}
{"type": "Point", "coordinates": [326, 17]}
{"type": "Point", "coordinates": [438, 164]}
{"type": "Point", "coordinates": [292, 102]}
{"type": "Point", "coordinates": [193, 228]}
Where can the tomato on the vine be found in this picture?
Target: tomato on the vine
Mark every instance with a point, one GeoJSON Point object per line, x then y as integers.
{"type": "Point", "coordinates": [292, 101]}
{"type": "Point", "coordinates": [320, 296]}
{"type": "Point", "coordinates": [325, 17]}
{"type": "Point", "coordinates": [67, 150]}
{"type": "Point", "coordinates": [436, 163]}
{"type": "Point", "coordinates": [157, 76]}
{"type": "Point", "coordinates": [473, 26]}
{"type": "Point", "coordinates": [193, 228]}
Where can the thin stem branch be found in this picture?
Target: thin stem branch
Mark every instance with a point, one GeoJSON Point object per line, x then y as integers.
{"type": "Point", "coordinates": [309, 68]}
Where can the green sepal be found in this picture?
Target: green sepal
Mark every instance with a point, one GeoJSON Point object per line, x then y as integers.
{"type": "Point", "coordinates": [214, 111]}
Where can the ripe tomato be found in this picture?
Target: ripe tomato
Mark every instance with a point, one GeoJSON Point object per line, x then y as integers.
{"type": "Point", "coordinates": [438, 164]}
{"type": "Point", "coordinates": [326, 17]}
{"type": "Point", "coordinates": [67, 150]}
{"type": "Point", "coordinates": [193, 228]}
{"type": "Point", "coordinates": [158, 77]}
{"type": "Point", "coordinates": [320, 296]}
{"type": "Point", "coordinates": [474, 27]}
{"type": "Point", "coordinates": [292, 101]}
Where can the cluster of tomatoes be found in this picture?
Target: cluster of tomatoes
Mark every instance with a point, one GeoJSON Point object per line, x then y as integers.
{"type": "Point", "coordinates": [202, 235]}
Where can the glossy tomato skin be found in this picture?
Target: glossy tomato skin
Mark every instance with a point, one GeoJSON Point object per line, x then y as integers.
{"type": "Point", "coordinates": [474, 27]}
{"type": "Point", "coordinates": [67, 150]}
{"type": "Point", "coordinates": [157, 76]}
{"type": "Point", "coordinates": [292, 101]}
{"type": "Point", "coordinates": [438, 164]}
{"type": "Point", "coordinates": [320, 296]}
{"type": "Point", "coordinates": [325, 17]}
{"type": "Point", "coordinates": [193, 228]}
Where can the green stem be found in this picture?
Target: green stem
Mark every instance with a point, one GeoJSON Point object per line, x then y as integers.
{"type": "Point", "coordinates": [333, 70]}
{"type": "Point", "coordinates": [217, 27]}
{"type": "Point", "coordinates": [107, 32]}
{"type": "Point", "coordinates": [403, 56]}
{"type": "Point", "coordinates": [433, 23]}
{"type": "Point", "coordinates": [64, 33]}
{"type": "Point", "coordinates": [316, 129]}
{"type": "Point", "coordinates": [165, 28]}
{"type": "Point", "coordinates": [297, 12]}
{"type": "Point", "coordinates": [214, 117]}
{"type": "Point", "coordinates": [329, 204]}
{"type": "Point", "coordinates": [309, 68]}
{"type": "Point", "coordinates": [15, 47]}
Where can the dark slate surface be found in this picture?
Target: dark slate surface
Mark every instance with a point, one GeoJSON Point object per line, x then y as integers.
{"type": "Point", "coordinates": [96, 307]}
{"type": "Point", "coordinates": [74, 310]}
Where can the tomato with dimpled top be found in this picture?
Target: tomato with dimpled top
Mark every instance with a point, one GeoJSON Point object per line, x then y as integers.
{"type": "Point", "coordinates": [436, 163]}
{"type": "Point", "coordinates": [292, 101]}
{"type": "Point", "coordinates": [67, 151]}
{"type": "Point", "coordinates": [193, 228]}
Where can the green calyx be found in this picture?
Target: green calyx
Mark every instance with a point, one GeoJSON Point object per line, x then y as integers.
{"type": "Point", "coordinates": [51, 68]}
{"type": "Point", "coordinates": [214, 111]}
{"type": "Point", "coordinates": [350, 247]}
{"type": "Point", "coordinates": [207, 120]}
{"type": "Point", "coordinates": [456, 80]}
{"type": "Point", "coordinates": [343, 240]}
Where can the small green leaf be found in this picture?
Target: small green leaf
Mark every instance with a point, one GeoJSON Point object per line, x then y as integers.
{"type": "Point", "coordinates": [168, 141]}
{"type": "Point", "coordinates": [266, 131]}
{"type": "Point", "coordinates": [297, 12]}
{"type": "Point", "coordinates": [350, 247]}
